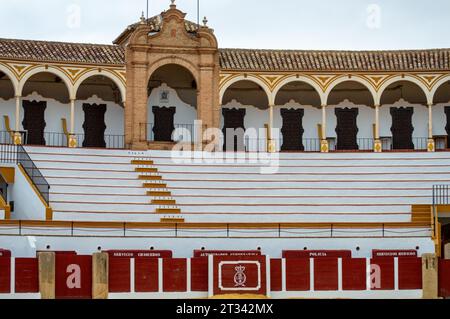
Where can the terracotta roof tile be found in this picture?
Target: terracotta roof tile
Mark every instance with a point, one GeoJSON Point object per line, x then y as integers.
{"type": "Point", "coordinates": [241, 59]}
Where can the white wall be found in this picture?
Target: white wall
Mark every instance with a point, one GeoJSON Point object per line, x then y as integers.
{"type": "Point", "coordinates": [27, 205]}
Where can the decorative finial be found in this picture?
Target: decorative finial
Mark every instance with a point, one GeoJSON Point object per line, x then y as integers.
{"type": "Point", "coordinates": [142, 18]}
{"type": "Point", "coordinates": [205, 22]}
{"type": "Point", "coordinates": [172, 5]}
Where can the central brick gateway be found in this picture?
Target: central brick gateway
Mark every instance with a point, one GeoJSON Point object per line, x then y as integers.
{"type": "Point", "coordinates": [146, 52]}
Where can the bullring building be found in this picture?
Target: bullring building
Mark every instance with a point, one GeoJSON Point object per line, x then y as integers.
{"type": "Point", "coordinates": [357, 143]}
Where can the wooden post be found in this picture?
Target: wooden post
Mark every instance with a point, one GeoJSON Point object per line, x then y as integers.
{"type": "Point", "coordinates": [100, 276]}
{"type": "Point", "coordinates": [430, 276]}
{"type": "Point", "coordinates": [47, 275]}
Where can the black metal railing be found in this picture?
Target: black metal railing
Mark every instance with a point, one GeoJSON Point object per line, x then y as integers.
{"type": "Point", "coordinates": [441, 195]}
{"type": "Point", "coordinates": [418, 144]}
{"type": "Point", "coordinates": [8, 153]}
{"type": "Point", "coordinates": [56, 139]}
{"type": "Point", "coordinates": [33, 173]}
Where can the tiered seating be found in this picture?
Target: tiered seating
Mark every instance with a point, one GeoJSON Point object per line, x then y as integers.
{"type": "Point", "coordinates": [310, 188]}
{"type": "Point", "coordinates": [94, 185]}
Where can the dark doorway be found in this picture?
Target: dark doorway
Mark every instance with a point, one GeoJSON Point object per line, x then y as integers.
{"type": "Point", "coordinates": [94, 125]}
{"type": "Point", "coordinates": [34, 122]}
{"type": "Point", "coordinates": [447, 128]}
{"type": "Point", "coordinates": [402, 128]}
{"type": "Point", "coordinates": [164, 123]}
{"type": "Point", "coordinates": [292, 130]}
{"type": "Point", "coordinates": [347, 129]}
{"type": "Point", "coordinates": [233, 119]}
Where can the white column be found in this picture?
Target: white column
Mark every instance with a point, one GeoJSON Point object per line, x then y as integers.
{"type": "Point", "coordinates": [132, 276]}
{"type": "Point", "coordinates": [430, 120]}
{"type": "Point", "coordinates": [377, 122]}
{"type": "Point", "coordinates": [13, 276]}
{"type": "Point", "coordinates": [311, 274]}
{"type": "Point", "coordinates": [270, 122]}
{"type": "Point", "coordinates": [283, 275]}
{"type": "Point", "coordinates": [188, 275]}
{"type": "Point", "coordinates": [268, 278]}
{"type": "Point", "coordinates": [160, 275]}
{"type": "Point", "coordinates": [72, 116]}
{"type": "Point", "coordinates": [17, 126]}
{"type": "Point", "coordinates": [396, 282]}
{"type": "Point", "coordinates": [324, 122]}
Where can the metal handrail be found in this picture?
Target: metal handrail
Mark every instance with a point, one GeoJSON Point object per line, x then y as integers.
{"type": "Point", "coordinates": [33, 173]}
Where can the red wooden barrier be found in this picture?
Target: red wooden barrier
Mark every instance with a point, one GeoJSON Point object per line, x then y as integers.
{"type": "Point", "coordinates": [5, 275]}
{"type": "Point", "coordinates": [27, 275]}
{"type": "Point", "coordinates": [409, 273]}
{"type": "Point", "coordinates": [146, 275]}
{"type": "Point", "coordinates": [326, 274]}
{"type": "Point", "coordinates": [275, 275]}
{"type": "Point", "coordinates": [387, 272]}
{"type": "Point", "coordinates": [354, 274]}
{"type": "Point", "coordinates": [73, 277]}
{"type": "Point", "coordinates": [119, 275]}
{"type": "Point", "coordinates": [174, 275]}
{"type": "Point", "coordinates": [444, 278]}
{"type": "Point", "coordinates": [199, 274]}
{"type": "Point", "coordinates": [297, 274]}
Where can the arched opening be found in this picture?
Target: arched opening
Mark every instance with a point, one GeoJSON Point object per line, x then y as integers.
{"type": "Point", "coordinates": [172, 105]}
{"type": "Point", "coordinates": [351, 117]}
{"type": "Point", "coordinates": [297, 116]}
{"type": "Point", "coordinates": [245, 114]}
{"type": "Point", "coordinates": [45, 98]}
{"type": "Point", "coordinates": [404, 108]}
{"type": "Point", "coordinates": [99, 113]}
{"type": "Point", "coordinates": [7, 109]}
{"type": "Point", "coordinates": [441, 116]}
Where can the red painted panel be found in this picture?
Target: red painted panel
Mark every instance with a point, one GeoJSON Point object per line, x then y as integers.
{"type": "Point", "coordinates": [5, 253]}
{"type": "Point", "coordinates": [409, 273]}
{"type": "Point", "coordinates": [297, 274]}
{"type": "Point", "coordinates": [317, 253]}
{"type": "Point", "coordinates": [146, 275]}
{"type": "Point", "coordinates": [275, 275]}
{"type": "Point", "coordinates": [387, 273]}
{"type": "Point", "coordinates": [174, 272]}
{"type": "Point", "coordinates": [354, 274]}
{"type": "Point", "coordinates": [140, 253]}
{"type": "Point", "coordinates": [227, 253]}
{"type": "Point", "coordinates": [394, 253]}
{"type": "Point", "coordinates": [199, 274]}
{"type": "Point", "coordinates": [444, 278]}
{"type": "Point", "coordinates": [5, 275]}
{"type": "Point", "coordinates": [326, 274]}
{"type": "Point", "coordinates": [246, 275]}
{"type": "Point", "coordinates": [73, 278]}
{"type": "Point", "coordinates": [27, 275]}
{"type": "Point", "coordinates": [119, 275]}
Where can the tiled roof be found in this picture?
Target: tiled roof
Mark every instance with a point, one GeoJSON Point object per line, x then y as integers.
{"type": "Point", "coordinates": [61, 52]}
{"type": "Point", "coordinates": [241, 59]}
{"type": "Point", "coordinates": [286, 60]}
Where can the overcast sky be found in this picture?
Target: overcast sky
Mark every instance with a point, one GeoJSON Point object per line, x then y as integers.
{"type": "Point", "coordinates": [271, 24]}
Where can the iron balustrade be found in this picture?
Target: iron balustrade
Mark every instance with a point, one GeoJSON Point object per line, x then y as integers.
{"type": "Point", "coordinates": [8, 153]}
{"type": "Point", "coordinates": [33, 173]}
{"type": "Point", "coordinates": [184, 133]}
{"type": "Point", "coordinates": [441, 195]}
{"type": "Point", "coordinates": [55, 139]}
{"type": "Point", "coordinates": [222, 230]}
{"type": "Point", "coordinates": [3, 189]}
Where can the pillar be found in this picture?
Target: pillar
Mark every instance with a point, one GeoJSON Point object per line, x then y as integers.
{"type": "Point", "coordinates": [324, 147]}
{"type": "Point", "coordinates": [100, 276]}
{"type": "Point", "coordinates": [431, 144]}
{"type": "Point", "coordinates": [17, 134]}
{"type": "Point", "coordinates": [377, 145]}
{"type": "Point", "coordinates": [270, 140]}
{"type": "Point", "coordinates": [47, 274]}
{"type": "Point", "coordinates": [447, 251]}
{"type": "Point", "coordinates": [72, 141]}
{"type": "Point", "coordinates": [430, 276]}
